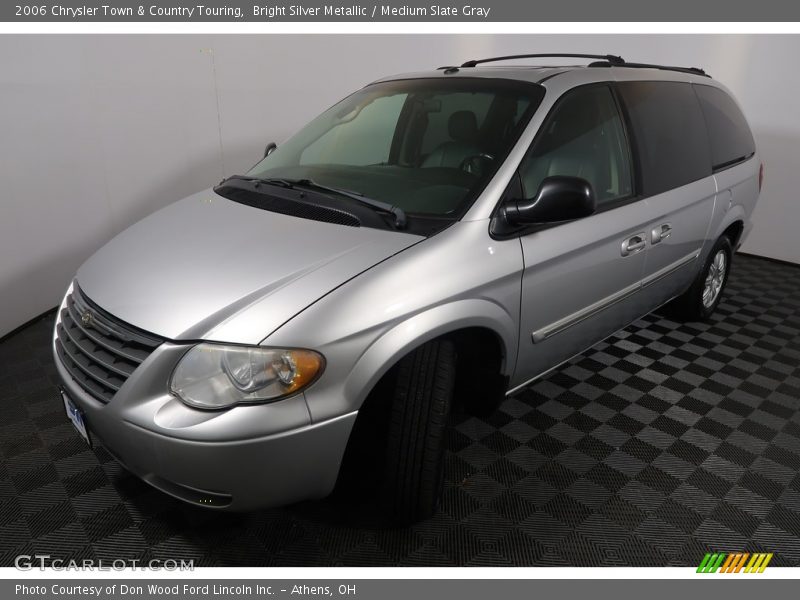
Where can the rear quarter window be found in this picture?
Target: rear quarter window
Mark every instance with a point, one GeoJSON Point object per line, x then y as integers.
{"type": "Point", "coordinates": [729, 134]}
{"type": "Point", "coordinates": [669, 133]}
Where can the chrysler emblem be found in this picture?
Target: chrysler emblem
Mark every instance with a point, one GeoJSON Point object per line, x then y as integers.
{"type": "Point", "coordinates": [87, 318]}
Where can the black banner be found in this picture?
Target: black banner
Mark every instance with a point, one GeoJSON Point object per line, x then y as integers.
{"type": "Point", "coordinates": [401, 11]}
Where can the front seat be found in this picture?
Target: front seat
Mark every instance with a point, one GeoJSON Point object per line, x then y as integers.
{"type": "Point", "coordinates": [573, 146]}
{"type": "Point", "coordinates": [462, 126]}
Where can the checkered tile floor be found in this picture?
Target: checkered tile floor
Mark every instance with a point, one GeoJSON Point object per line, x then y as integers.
{"type": "Point", "coordinates": [662, 443]}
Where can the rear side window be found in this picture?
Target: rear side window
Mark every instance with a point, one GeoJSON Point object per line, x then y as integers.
{"type": "Point", "coordinates": [728, 131]}
{"type": "Point", "coordinates": [669, 132]}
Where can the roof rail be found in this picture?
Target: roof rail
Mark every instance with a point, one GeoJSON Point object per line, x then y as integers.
{"type": "Point", "coordinates": [690, 70]}
{"type": "Point", "coordinates": [601, 60]}
{"type": "Point", "coordinates": [610, 58]}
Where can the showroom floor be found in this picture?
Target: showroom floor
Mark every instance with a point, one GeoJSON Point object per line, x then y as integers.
{"type": "Point", "coordinates": [662, 443]}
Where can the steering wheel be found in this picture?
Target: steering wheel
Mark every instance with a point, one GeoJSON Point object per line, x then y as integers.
{"type": "Point", "coordinates": [476, 163]}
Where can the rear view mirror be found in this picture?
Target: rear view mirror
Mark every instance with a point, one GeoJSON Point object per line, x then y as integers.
{"type": "Point", "coordinates": [270, 149]}
{"type": "Point", "coordinates": [559, 198]}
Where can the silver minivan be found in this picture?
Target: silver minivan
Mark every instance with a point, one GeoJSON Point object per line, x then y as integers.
{"type": "Point", "coordinates": [434, 240]}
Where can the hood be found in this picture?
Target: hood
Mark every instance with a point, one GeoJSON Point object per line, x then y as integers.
{"type": "Point", "coordinates": [209, 268]}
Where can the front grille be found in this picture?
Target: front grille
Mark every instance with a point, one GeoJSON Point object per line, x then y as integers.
{"type": "Point", "coordinates": [99, 351]}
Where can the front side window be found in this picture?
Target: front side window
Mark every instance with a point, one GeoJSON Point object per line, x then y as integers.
{"type": "Point", "coordinates": [428, 146]}
{"type": "Point", "coordinates": [583, 137]}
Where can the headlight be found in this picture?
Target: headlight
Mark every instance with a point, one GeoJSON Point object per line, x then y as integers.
{"type": "Point", "coordinates": [217, 376]}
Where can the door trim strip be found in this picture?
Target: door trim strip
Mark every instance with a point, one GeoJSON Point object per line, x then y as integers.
{"type": "Point", "coordinates": [670, 268]}
{"type": "Point", "coordinates": [578, 316]}
{"type": "Point", "coordinates": [546, 372]}
{"type": "Point", "coordinates": [542, 334]}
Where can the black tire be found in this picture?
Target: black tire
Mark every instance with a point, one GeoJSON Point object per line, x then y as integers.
{"type": "Point", "coordinates": [420, 405]}
{"type": "Point", "coordinates": [689, 306]}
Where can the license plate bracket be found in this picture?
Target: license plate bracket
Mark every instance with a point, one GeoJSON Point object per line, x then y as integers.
{"type": "Point", "coordinates": [76, 417]}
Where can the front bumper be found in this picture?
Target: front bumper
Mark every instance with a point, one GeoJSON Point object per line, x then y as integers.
{"type": "Point", "coordinates": [244, 458]}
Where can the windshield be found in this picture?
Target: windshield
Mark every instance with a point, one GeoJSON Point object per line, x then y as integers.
{"type": "Point", "coordinates": [427, 146]}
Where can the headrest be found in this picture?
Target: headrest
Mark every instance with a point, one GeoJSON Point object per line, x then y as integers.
{"type": "Point", "coordinates": [463, 126]}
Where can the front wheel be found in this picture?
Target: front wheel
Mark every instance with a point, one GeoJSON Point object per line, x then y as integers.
{"type": "Point", "coordinates": [700, 301]}
{"type": "Point", "coordinates": [420, 404]}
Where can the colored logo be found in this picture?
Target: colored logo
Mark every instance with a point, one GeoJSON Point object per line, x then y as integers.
{"type": "Point", "coordinates": [734, 562]}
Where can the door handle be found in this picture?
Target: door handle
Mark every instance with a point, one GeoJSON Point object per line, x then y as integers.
{"type": "Point", "coordinates": [633, 244]}
{"type": "Point", "coordinates": [660, 233]}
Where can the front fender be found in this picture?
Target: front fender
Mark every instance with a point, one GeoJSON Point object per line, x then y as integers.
{"type": "Point", "coordinates": [459, 278]}
{"type": "Point", "coordinates": [344, 387]}
{"type": "Point", "coordinates": [423, 327]}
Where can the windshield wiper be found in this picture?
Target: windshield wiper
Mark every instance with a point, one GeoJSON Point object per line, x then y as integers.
{"type": "Point", "coordinates": [284, 183]}
{"type": "Point", "coordinates": [399, 215]}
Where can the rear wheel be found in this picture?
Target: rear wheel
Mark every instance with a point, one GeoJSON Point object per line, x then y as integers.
{"type": "Point", "coordinates": [700, 301]}
{"type": "Point", "coordinates": [420, 404]}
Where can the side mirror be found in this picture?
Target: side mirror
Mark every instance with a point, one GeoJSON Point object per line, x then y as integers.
{"type": "Point", "coordinates": [560, 198]}
{"type": "Point", "coordinates": [270, 149]}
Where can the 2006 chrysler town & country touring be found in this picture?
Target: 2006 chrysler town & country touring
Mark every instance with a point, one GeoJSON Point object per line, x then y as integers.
{"type": "Point", "coordinates": [435, 238]}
